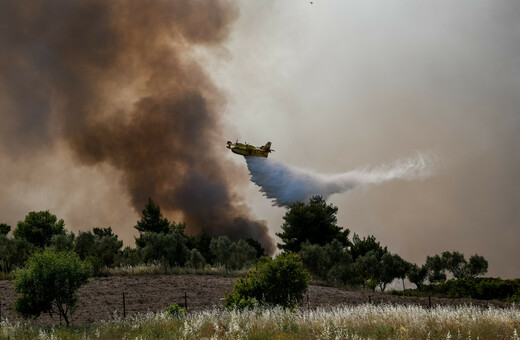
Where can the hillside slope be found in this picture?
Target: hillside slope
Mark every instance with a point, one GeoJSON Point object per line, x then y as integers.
{"type": "Point", "coordinates": [102, 298]}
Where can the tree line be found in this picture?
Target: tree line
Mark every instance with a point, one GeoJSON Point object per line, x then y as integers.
{"type": "Point", "coordinates": [311, 231]}
{"type": "Point", "coordinates": [159, 242]}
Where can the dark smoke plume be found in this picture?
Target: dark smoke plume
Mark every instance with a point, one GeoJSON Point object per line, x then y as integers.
{"type": "Point", "coordinates": [117, 82]}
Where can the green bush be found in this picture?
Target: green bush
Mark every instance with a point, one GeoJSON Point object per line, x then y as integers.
{"type": "Point", "coordinates": [175, 311]}
{"type": "Point", "coordinates": [49, 284]}
{"type": "Point", "coordinates": [195, 259]}
{"type": "Point", "coordinates": [13, 253]}
{"type": "Point", "coordinates": [95, 264]}
{"type": "Point", "coordinates": [241, 302]}
{"type": "Point", "coordinates": [129, 257]}
{"type": "Point", "coordinates": [281, 281]}
{"type": "Point", "coordinates": [482, 288]}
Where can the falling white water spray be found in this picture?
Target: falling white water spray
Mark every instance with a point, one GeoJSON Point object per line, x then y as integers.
{"type": "Point", "coordinates": [286, 184]}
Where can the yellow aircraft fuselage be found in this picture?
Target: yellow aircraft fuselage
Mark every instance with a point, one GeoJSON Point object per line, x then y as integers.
{"type": "Point", "coordinates": [250, 150]}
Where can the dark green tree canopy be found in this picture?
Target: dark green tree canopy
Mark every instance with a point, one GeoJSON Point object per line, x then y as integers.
{"type": "Point", "coordinates": [260, 251]}
{"type": "Point", "coordinates": [436, 269]}
{"type": "Point", "coordinates": [202, 242]}
{"type": "Point", "coordinates": [195, 259]}
{"type": "Point", "coordinates": [101, 232]}
{"type": "Point", "coordinates": [314, 222]}
{"type": "Point", "coordinates": [152, 219]}
{"type": "Point", "coordinates": [13, 253]}
{"type": "Point", "coordinates": [393, 267]}
{"type": "Point", "coordinates": [328, 262]}
{"type": "Point", "coordinates": [102, 243]}
{"type": "Point", "coordinates": [4, 229]}
{"type": "Point", "coordinates": [129, 257]}
{"type": "Point", "coordinates": [84, 244]}
{"type": "Point", "coordinates": [455, 263]}
{"type": "Point", "coordinates": [167, 248]}
{"type": "Point", "coordinates": [360, 247]}
{"type": "Point", "coordinates": [39, 227]}
{"type": "Point", "coordinates": [63, 242]}
{"type": "Point", "coordinates": [477, 265]}
{"type": "Point", "coordinates": [417, 275]}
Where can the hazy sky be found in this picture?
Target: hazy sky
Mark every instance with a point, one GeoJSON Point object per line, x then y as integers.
{"type": "Point", "coordinates": [335, 86]}
{"type": "Point", "coordinates": [340, 85]}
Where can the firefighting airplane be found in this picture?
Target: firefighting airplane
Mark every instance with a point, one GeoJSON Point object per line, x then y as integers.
{"type": "Point", "coordinates": [249, 150]}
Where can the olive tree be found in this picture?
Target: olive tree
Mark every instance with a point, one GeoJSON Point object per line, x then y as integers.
{"type": "Point", "coordinates": [13, 253]}
{"type": "Point", "coordinates": [220, 249]}
{"type": "Point", "coordinates": [49, 284]}
{"type": "Point", "coordinates": [417, 275]}
{"type": "Point", "coordinates": [477, 265]}
{"type": "Point", "coordinates": [195, 259]}
{"type": "Point", "coordinates": [101, 244]}
{"type": "Point", "coordinates": [61, 242]}
{"type": "Point", "coordinates": [241, 254]}
{"type": "Point", "coordinates": [233, 255]}
{"type": "Point", "coordinates": [168, 249]}
{"type": "Point", "coordinates": [436, 269]}
{"type": "Point", "coordinates": [455, 263]}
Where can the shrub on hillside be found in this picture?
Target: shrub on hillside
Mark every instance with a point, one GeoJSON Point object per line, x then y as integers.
{"type": "Point", "coordinates": [195, 259]}
{"type": "Point", "coordinates": [483, 288]}
{"type": "Point", "coordinates": [13, 253]}
{"type": "Point", "coordinates": [232, 255]}
{"type": "Point", "coordinates": [49, 284]}
{"type": "Point", "coordinates": [281, 281]}
{"type": "Point", "coordinates": [175, 311]}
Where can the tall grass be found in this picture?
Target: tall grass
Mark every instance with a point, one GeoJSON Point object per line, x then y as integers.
{"type": "Point", "coordinates": [359, 322]}
{"type": "Point", "coordinates": [154, 269]}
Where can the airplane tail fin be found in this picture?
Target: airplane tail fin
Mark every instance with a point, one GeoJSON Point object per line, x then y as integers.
{"type": "Point", "coordinates": [267, 147]}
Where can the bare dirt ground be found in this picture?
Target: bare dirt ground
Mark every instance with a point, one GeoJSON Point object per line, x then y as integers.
{"type": "Point", "coordinates": [102, 298]}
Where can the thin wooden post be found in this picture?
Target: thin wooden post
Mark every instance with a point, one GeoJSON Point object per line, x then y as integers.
{"type": "Point", "coordinates": [308, 304]}
{"type": "Point", "coordinates": [369, 300]}
{"type": "Point", "coordinates": [124, 306]}
{"type": "Point", "coordinates": [186, 301]}
{"type": "Point", "coordinates": [0, 310]}
{"type": "Point", "coordinates": [429, 301]}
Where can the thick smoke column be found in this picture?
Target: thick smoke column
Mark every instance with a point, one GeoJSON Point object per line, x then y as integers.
{"type": "Point", "coordinates": [116, 81]}
{"type": "Point", "coordinates": [285, 184]}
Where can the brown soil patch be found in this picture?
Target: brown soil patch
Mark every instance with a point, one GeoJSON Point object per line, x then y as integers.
{"type": "Point", "coordinates": [102, 298]}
